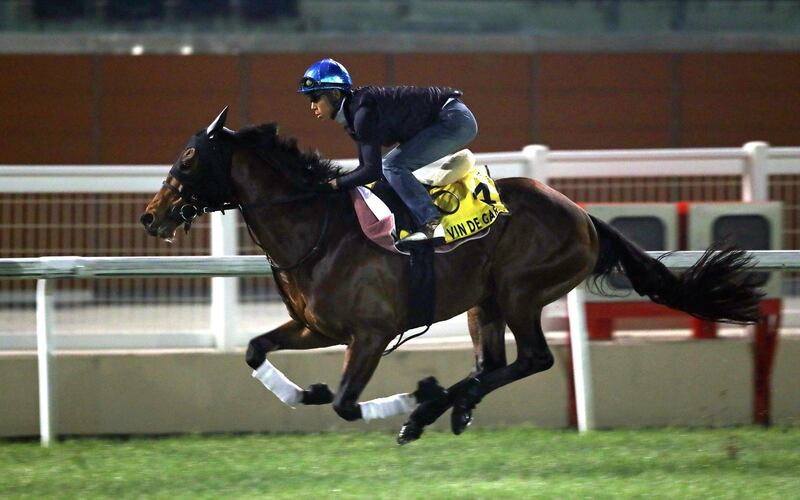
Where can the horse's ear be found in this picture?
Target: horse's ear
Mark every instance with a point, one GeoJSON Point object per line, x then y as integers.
{"type": "Point", "coordinates": [217, 124]}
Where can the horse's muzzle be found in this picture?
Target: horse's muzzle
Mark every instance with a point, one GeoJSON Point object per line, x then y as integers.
{"type": "Point", "coordinates": [147, 220]}
{"type": "Point", "coordinates": [164, 227]}
{"type": "Point", "coordinates": [160, 229]}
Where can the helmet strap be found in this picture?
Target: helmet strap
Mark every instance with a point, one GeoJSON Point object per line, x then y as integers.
{"type": "Point", "coordinates": [336, 103]}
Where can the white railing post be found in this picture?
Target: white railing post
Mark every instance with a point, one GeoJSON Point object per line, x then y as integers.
{"type": "Point", "coordinates": [581, 365]}
{"type": "Point", "coordinates": [536, 159]}
{"type": "Point", "coordinates": [44, 347]}
{"type": "Point", "coordinates": [224, 291]}
{"type": "Point", "coordinates": [755, 184]}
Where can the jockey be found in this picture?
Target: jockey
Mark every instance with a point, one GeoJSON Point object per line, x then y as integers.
{"type": "Point", "coordinates": [426, 123]}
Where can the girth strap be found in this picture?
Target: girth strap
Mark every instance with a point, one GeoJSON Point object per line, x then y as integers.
{"type": "Point", "coordinates": [421, 292]}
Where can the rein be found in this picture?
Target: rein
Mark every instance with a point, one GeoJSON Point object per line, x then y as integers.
{"type": "Point", "coordinates": [317, 245]}
{"type": "Point", "coordinates": [306, 195]}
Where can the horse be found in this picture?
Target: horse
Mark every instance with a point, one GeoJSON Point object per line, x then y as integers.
{"type": "Point", "coordinates": [341, 289]}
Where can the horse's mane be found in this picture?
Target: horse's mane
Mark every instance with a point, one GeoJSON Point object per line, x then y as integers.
{"type": "Point", "coordinates": [264, 138]}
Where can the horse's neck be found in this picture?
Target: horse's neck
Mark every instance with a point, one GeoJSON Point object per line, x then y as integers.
{"type": "Point", "coordinates": [286, 231]}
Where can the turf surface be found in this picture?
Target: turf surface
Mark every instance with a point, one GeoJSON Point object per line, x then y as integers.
{"type": "Point", "coordinates": [519, 462]}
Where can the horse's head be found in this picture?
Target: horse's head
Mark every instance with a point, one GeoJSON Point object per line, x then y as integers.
{"type": "Point", "coordinates": [199, 180]}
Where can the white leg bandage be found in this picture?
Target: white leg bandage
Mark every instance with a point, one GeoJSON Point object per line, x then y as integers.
{"type": "Point", "coordinates": [286, 390]}
{"type": "Point", "coordinates": [399, 404]}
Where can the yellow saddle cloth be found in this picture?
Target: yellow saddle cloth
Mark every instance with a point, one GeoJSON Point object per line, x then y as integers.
{"type": "Point", "coordinates": [470, 204]}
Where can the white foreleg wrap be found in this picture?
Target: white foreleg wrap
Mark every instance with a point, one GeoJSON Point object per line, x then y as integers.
{"type": "Point", "coordinates": [272, 378]}
{"type": "Point", "coordinates": [399, 404]}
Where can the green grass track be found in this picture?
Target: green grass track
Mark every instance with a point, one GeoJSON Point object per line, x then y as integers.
{"type": "Point", "coordinates": [518, 462]}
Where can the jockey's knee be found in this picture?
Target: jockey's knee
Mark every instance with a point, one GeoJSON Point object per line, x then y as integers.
{"type": "Point", "coordinates": [347, 410]}
{"type": "Point", "coordinates": [471, 131]}
{"type": "Point", "coordinates": [468, 130]}
{"type": "Point", "coordinates": [464, 128]}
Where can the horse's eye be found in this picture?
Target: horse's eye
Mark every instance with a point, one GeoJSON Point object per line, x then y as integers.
{"type": "Point", "coordinates": [186, 158]}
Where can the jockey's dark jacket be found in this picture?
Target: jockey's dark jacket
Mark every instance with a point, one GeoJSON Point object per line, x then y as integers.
{"type": "Point", "coordinates": [382, 116]}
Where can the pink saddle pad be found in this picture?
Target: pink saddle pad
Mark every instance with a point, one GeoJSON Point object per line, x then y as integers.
{"type": "Point", "coordinates": [377, 223]}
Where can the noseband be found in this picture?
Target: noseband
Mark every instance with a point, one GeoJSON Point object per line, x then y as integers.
{"type": "Point", "coordinates": [191, 209]}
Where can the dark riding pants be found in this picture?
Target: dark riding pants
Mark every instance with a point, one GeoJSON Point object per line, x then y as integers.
{"type": "Point", "coordinates": [455, 128]}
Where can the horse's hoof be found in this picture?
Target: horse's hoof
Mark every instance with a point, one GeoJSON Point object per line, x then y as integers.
{"type": "Point", "coordinates": [317, 394]}
{"type": "Point", "coordinates": [460, 419]}
{"type": "Point", "coordinates": [410, 431]}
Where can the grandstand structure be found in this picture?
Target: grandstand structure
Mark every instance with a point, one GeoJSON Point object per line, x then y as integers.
{"type": "Point", "coordinates": [458, 16]}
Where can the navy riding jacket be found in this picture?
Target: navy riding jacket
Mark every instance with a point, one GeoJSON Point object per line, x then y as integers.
{"type": "Point", "coordinates": [382, 116]}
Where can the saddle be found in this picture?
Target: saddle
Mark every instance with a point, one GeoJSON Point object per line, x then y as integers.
{"type": "Point", "coordinates": [465, 194]}
{"type": "Point", "coordinates": [470, 204]}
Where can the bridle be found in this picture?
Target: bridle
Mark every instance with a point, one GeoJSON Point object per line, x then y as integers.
{"type": "Point", "coordinates": [194, 206]}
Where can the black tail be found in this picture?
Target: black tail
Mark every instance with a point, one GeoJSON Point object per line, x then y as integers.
{"type": "Point", "coordinates": [719, 287]}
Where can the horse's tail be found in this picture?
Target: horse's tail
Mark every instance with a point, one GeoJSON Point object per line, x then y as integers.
{"type": "Point", "coordinates": [718, 287]}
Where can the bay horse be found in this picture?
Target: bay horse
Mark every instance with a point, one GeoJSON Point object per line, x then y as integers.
{"type": "Point", "coordinates": [339, 288]}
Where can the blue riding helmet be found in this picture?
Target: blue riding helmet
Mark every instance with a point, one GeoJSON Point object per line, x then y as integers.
{"type": "Point", "coordinates": [325, 74]}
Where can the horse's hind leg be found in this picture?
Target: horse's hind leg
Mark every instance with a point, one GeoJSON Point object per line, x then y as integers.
{"type": "Point", "coordinates": [533, 356]}
{"type": "Point", "coordinates": [487, 329]}
{"type": "Point", "coordinates": [289, 336]}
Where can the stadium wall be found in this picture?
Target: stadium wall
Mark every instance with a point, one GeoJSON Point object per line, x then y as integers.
{"type": "Point", "coordinates": [687, 383]}
{"type": "Point", "coordinates": [118, 109]}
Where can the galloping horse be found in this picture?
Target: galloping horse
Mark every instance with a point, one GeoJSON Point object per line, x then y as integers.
{"type": "Point", "coordinates": [340, 288]}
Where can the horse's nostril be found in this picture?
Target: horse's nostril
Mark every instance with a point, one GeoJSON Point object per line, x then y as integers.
{"type": "Point", "coordinates": [147, 218]}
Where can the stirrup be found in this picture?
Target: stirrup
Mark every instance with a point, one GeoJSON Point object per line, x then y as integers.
{"type": "Point", "coordinates": [436, 236]}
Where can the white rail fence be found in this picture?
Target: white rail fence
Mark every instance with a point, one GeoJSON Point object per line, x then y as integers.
{"type": "Point", "coordinates": [754, 164]}
{"type": "Point", "coordinates": [47, 269]}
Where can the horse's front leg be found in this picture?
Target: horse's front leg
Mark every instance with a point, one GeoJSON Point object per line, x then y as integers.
{"type": "Point", "coordinates": [361, 360]}
{"type": "Point", "coordinates": [290, 335]}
